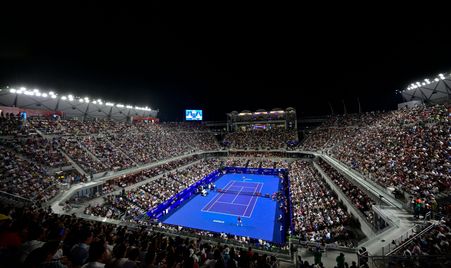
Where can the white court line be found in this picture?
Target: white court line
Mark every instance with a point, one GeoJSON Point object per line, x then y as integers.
{"type": "Point", "coordinates": [214, 212]}
{"type": "Point", "coordinates": [255, 190]}
{"type": "Point", "coordinates": [247, 206]}
{"type": "Point", "coordinates": [256, 199]}
{"type": "Point", "coordinates": [237, 194]}
{"type": "Point", "coordinates": [255, 203]}
{"type": "Point", "coordinates": [227, 185]}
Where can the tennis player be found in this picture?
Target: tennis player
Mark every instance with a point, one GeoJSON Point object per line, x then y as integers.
{"type": "Point", "coordinates": [239, 222]}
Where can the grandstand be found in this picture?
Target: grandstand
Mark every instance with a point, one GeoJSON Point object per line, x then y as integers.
{"type": "Point", "coordinates": [81, 167]}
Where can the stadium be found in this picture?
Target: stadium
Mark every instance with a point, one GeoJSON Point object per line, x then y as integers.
{"type": "Point", "coordinates": [157, 173]}
{"type": "Point", "coordinates": [338, 189]}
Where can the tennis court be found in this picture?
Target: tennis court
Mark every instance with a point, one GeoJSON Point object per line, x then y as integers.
{"type": "Point", "coordinates": [239, 199]}
{"type": "Point", "coordinates": [236, 195]}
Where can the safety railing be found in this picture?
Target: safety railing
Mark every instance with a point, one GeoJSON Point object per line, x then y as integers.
{"type": "Point", "coordinates": [404, 239]}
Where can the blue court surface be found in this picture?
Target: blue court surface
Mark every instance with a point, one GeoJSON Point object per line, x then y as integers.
{"type": "Point", "coordinates": [219, 212]}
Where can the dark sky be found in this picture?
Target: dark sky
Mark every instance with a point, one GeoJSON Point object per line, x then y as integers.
{"type": "Point", "coordinates": [222, 57]}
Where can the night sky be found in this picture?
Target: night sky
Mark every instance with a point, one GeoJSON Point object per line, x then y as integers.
{"type": "Point", "coordinates": [221, 58]}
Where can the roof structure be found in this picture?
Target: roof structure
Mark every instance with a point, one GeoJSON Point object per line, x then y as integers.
{"type": "Point", "coordinates": [71, 106]}
{"type": "Point", "coordinates": [436, 90]}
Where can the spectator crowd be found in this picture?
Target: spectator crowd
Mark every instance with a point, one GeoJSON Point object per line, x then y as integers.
{"type": "Point", "coordinates": [318, 216]}
{"type": "Point", "coordinates": [405, 150]}
{"type": "Point", "coordinates": [361, 200]}
{"type": "Point", "coordinates": [261, 139]}
{"type": "Point", "coordinates": [34, 149]}
{"type": "Point", "coordinates": [31, 237]}
{"type": "Point", "coordinates": [133, 203]}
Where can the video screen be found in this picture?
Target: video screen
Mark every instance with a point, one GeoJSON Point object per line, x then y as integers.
{"type": "Point", "coordinates": [193, 115]}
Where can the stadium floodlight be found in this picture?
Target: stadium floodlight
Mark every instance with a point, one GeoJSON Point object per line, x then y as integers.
{"type": "Point", "coordinates": [64, 98]}
{"type": "Point", "coordinates": [436, 79]}
{"type": "Point", "coordinates": [94, 102]}
{"type": "Point", "coordinates": [142, 108]}
{"type": "Point", "coordinates": [23, 88]}
{"type": "Point", "coordinates": [120, 105]}
{"type": "Point", "coordinates": [109, 104]}
{"type": "Point", "coordinates": [12, 90]}
{"type": "Point", "coordinates": [81, 100]}
{"type": "Point", "coordinates": [38, 94]}
{"type": "Point", "coordinates": [53, 97]}
{"type": "Point", "coordinates": [44, 95]}
{"type": "Point", "coordinates": [129, 107]}
{"type": "Point", "coordinates": [35, 90]}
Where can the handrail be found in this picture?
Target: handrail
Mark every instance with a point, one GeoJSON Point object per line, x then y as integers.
{"type": "Point", "coordinates": [339, 192]}
{"type": "Point", "coordinates": [410, 240]}
{"type": "Point", "coordinates": [326, 246]}
{"type": "Point", "coordinates": [17, 197]}
{"type": "Point", "coordinates": [365, 182]}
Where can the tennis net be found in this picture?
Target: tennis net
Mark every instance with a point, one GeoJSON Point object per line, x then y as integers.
{"type": "Point", "coordinates": [226, 191]}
